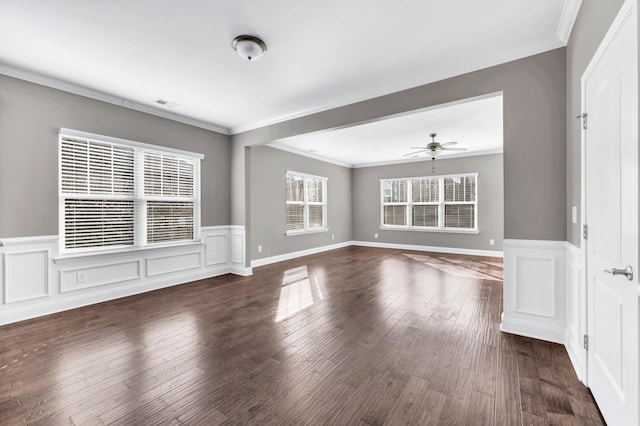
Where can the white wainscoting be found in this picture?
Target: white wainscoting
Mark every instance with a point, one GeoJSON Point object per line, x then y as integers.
{"type": "Point", "coordinates": [535, 289]}
{"type": "Point", "coordinates": [37, 281]}
{"type": "Point", "coordinates": [576, 311]}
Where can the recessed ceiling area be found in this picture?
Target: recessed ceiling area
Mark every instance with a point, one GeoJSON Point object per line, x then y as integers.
{"type": "Point", "coordinates": [475, 124]}
{"type": "Point", "coordinates": [320, 55]}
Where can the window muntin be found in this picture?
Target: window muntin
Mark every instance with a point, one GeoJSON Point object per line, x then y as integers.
{"type": "Point", "coordinates": [430, 203]}
{"type": "Point", "coordinates": [123, 194]}
{"type": "Point", "coordinates": [306, 203]}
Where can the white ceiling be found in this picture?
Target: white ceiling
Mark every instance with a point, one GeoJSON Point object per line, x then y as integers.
{"type": "Point", "coordinates": [474, 124]}
{"type": "Point", "coordinates": [321, 54]}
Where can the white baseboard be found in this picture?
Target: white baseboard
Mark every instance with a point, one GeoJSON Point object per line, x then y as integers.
{"type": "Point", "coordinates": [295, 254]}
{"type": "Point", "coordinates": [549, 333]}
{"type": "Point", "coordinates": [35, 281]}
{"type": "Point", "coordinates": [449, 250]}
{"type": "Point", "coordinates": [51, 306]}
{"type": "Point", "coordinates": [241, 270]}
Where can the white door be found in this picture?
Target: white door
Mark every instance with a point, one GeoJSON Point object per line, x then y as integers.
{"type": "Point", "coordinates": [611, 213]}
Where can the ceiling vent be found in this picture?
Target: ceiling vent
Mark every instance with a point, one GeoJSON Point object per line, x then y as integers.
{"type": "Point", "coordinates": [165, 103]}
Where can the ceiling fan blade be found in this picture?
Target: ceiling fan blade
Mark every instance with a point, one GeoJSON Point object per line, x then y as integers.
{"type": "Point", "coordinates": [449, 143]}
{"type": "Point", "coordinates": [417, 147]}
{"type": "Point", "coordinates": [414, 153]}
{"type": "Point", "coordinates": [453, 149]}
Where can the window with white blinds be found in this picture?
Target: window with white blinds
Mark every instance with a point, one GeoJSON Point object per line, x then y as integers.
{"type": "Point", "coordinates": [430, 203]}
{"type": "Point", "coordinates": [306, 203]}
{"type": "Point", "coordinates": [122, 194]}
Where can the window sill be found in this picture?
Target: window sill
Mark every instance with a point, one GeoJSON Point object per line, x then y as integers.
{"type": "Point", "coordinates": [306, 231]}
{"type": "Point", "coordinates": [71, 257]}
{"type": "Point", "coordinates": [414, 229]}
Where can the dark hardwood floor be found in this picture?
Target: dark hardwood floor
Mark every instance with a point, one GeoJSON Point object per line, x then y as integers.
{"type": "Point", "coordinates": [352, 336]}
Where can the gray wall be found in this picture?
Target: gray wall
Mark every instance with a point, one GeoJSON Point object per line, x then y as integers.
{"type": "Point", "coordinates": [593, 21]}
{"type": "Point", "coordinates": [30, 116]}
{"type": "Point", "coordinates": [534, 93]}
{"type": "Point", "coordinates": [267, 201]}
{"type": "Point", "coordinates": [366, 203]}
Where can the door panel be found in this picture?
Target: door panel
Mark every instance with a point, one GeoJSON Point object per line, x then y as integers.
{"type": "Point", "coordinates": [611, 212]}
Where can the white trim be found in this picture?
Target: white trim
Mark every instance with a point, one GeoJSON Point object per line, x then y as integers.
{"type": "Point", "coordinates": [448, 156]}
{"type": "Point", "coordinates": [569, 15]}
{"type": "Point", "coordinates": [573, 335]}
{"type": "Point", "coordinates": [308, 154]}
{"type": "Point", "coordinates": [449, 250]}
{"type": "Point", "coordinates": [535, 289]}
{"type": "Point", "coordinates": [76, 89]}
{"type": "Point", "coordinates": [79, 256]}
{"type": "Point", "coordinates": [293, 232]}
{"type": "Point", "coordinates": [8, 297]}
{"type": "Point", "coordinates": [292, 255]}
{"type": "Point", "coordinates": [95, 137]}
{"type": "Point", "coordinates": [20, 241]}
{"type": "Point", "coordinates": [549, 333]}
{"type": "Point", "coordinates": [52, 306]}
{"type": "Point", "coordinates": [241, 270]}
{"type": "Point", "coordinates": [277, 145]}
{"type": "Point", "coordinates": [84, 280]}
{"type": "Point", "coordinates": [540, 244]}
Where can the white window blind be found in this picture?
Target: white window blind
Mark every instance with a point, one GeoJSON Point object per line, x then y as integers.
{"type": "Point", "coordinates": [306, 203]}
{"type": "Point", "coordinates": [435, 202]}
{"type": "Point", "coordinates": [116, 193]}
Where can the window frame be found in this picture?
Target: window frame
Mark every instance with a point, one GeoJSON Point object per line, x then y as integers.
{"type": "Point", "coordinates": [138, 195]}
{"type": "Point", "coordinates": [306, 203]}
{"type": "Point", "coordinates": [441, 203]}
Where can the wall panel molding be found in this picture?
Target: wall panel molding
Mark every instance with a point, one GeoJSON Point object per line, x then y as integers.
{"type": "Point", "coordinates": [36, 281]}
{"type": "Point", "coordinates": [99, 275]}
{"type": "Point", "coordinates": [535, 289]}
{"type": "Point", "coordinates": [576, 311]}
{"type": "Point", "coordinates": [25, 275]}
{"type": "Point", "coordinates": [173, 263]}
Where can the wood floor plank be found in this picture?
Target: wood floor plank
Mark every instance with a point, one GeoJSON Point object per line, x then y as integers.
{"type": "Point", "coordinates": [508, 406]}
{"type": "Point", "coordinates": [389, 337]}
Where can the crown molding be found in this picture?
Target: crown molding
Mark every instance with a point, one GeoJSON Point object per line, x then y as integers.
{"type": "Point", "coordinates": [281, 147]}
{"type": "Point", "coordinates": [444, 157]}
{"type": "Point", "coordinates": [76, 89]}
{"type": "Point", "coordinates": [567, 19]}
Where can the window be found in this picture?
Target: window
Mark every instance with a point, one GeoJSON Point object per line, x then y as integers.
{"type": "Point", "coordinates": [447, 203]}
{"type": "Point", "coordinates": [122, 194]}
{"type": "Point", "coordinates": [306, 203]}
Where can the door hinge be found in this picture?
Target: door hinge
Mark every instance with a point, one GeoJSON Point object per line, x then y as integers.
{"type": "Point", "coordinates": [585, 342]}
{"type": "Point", "coordinates": [584, 120]}
{"type": "Point", "coordinates": [585, 232]}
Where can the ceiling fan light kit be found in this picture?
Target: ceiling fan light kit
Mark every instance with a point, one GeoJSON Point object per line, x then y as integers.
{"type": "Point", "coordinates": [249, 47]}
{"type": "Point", "coordinates": [433, 149]}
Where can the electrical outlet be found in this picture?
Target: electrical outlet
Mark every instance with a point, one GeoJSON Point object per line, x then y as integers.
{"type": "Point", "coordinates": [574, 214]}
{"type": "Point", "coordinates": [333, 236]}
{"type": "Point", "coordinates": [81, 276]}
{"type": "Point", "coordinates": [375, 235]}
{"type": "Point", "coordinates": [492, 242]}
{"type": "Point", "coordinates": [259, 249]}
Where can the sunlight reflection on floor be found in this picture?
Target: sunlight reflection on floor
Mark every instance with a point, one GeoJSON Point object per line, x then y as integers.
{"type": "Point", "coordinates": [466, 268]}
{"type": "Point", "coordinates": [297, 293]}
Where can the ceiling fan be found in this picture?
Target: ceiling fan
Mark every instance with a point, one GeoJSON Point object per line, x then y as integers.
{"type": "Point", "coordinates": [433, 148]}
